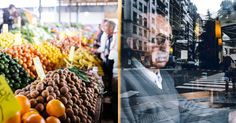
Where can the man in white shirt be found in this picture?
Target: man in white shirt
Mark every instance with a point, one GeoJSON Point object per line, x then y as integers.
{"type": "Point", "coordinates": [106, 48]}
{"type": "Point", "coordinates": [151, 97]}
{"type": "Point", "coordinates": [101, 39]}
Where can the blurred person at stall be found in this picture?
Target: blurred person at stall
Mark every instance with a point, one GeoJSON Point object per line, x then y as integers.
{"type": "Point", "coordinates": [150, 96]}
{"type": "Point", "coordinates": [99, 43]}
{"type": "Point", "coordinates": [100, 33]}
{"type": "Point", "coordinates": [10, 15]}
{"type": "Point", "coordinates": [105, 51]}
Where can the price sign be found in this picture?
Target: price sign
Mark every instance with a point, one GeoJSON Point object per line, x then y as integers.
{"type": "Point", "coordinates": [39, 68]}
{"type": "Point", "coordinates": [18, 40]}
{"type": "Point", "coordinates": [19, 22]}
{"type": "Point", "coordinates": [4, 28]}
{"type": "Point", "coordinates": [8, 103]}
{"type": "Point", "coordinates": [71, 53]}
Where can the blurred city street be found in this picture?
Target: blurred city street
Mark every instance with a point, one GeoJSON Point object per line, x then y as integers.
{"type": "Point", "coordinates": [204, 86]}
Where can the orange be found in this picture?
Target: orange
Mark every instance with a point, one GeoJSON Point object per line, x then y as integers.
{"type": "Point", "coordinates": [52, 119]}
{"type": "Point", "coordinates": [55, 108]}
{"type": "Point", "coordinates": [27, 114]}
{"type": "Point", "coordinates": [15, 118]}
{"type": "Point", "coordinates": [24, 102]}
{"type": "Point", "coordinates": [34, 118]}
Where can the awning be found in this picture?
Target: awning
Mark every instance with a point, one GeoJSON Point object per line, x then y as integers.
{"type": "Point", "coordinates": [230, 30]}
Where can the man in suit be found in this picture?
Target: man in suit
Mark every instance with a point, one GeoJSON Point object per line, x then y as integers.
{"type": "Point", "coordinates": [151, 97]}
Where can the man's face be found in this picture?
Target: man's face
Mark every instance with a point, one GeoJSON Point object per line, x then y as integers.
{"type": "Point", "coordinates": [12, 10]}
{"type": "Point", "coordinates": [108, 28]}
{"type": "Point", "coordinates": [160, 51]}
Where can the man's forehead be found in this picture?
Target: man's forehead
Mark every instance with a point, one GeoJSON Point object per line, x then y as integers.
{"type": "Point", "coordinates": [163, 25]}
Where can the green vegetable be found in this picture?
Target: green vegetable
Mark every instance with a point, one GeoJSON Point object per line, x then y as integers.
{"type": "Point", "coordinates": [15, 74]}
{"type": "Point", "coordinates": [81, 74]}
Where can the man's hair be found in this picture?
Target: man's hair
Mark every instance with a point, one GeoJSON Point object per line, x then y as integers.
{"type": "Point", "coordinates": [11, 6]}
{"type": "Point", "coordinates": [112, 24]}
{"type": "Point", "coordinates": [104, 20]}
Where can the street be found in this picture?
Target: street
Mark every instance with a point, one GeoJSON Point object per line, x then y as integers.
{"type": "Point", "coordinates": [204, 86]}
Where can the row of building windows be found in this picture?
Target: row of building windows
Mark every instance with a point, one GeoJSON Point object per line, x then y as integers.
{"type": "Point", "coordinates": [138, 19]}
{"type": "Point", "coordinates": [140, 31]}
{"type": "Point", "coordinates": [140, 6]}
{"type": "Point", "coordinates": [139, 45]}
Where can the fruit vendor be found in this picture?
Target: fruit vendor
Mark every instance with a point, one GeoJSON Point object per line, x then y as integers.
{"type": "Point", "coordinates": [9, 15]}
{"type": "Point", "coordinates": [151, 97]}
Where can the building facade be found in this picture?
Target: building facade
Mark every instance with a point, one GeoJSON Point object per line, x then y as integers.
{"type": "Point", "coordinates": [139, 22]}
{"type": "Point", "coordinates": [183, 21]}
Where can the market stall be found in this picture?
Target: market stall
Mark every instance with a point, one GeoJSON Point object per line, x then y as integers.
{"type": "Point", "coordinates": [69, 89]}
{"type": "Point", "coordinates": [50, 65]}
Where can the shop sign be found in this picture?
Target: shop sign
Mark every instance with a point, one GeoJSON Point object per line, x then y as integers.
{"type": "Point", "coordinates": [182, 41]}
{"type": "Point", "coordinates": [184, 54]}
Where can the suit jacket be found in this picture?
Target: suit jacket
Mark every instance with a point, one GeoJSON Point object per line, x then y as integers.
{"type": "Point", "coordinates": [143, 102]}
{"type": "Point", "coordinates": [7, 19]}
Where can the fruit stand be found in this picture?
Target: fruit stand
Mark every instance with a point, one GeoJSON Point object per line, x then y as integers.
{"type": "Point", "coordinates": [69, 90]}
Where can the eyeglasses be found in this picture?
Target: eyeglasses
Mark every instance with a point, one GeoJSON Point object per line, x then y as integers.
{"type": "Point", "coordinates": [161, 39]}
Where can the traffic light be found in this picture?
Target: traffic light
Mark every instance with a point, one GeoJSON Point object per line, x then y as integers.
{"type": "Point", "coordinates": [211, 45]}
{"type": "Point", "coordinates": [220, 42]}
{"type": "Point", "coordinates": [217, 29]}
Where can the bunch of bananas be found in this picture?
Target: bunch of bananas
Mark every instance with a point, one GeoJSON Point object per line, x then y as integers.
{"type": "Point", "coordinates": [84, 59]}
{"type": "Point", "coordinates": [52, 53]}
{"type": "Point", "coordinates": [9, 39]}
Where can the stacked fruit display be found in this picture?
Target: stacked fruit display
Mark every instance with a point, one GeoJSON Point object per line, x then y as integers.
{"type": "Point", "coordinates": [14, 73]}
{"type": "Point", "coordinates": [25, 54]}
{"type": "Point", "coordinates": [34, 33]}
{"type": "Point", "coordinates": [52, 53]}
{"type": "Point", "coordinates": [27, 114]}
{"type": "Point", "coordinates": [77, 90]}
{"type": "Point", "coordinates": [86, 60]}
{"type": "Point", "coordinates": [65, 44]}
{"type": "Point", "coordinates": [9, 39]}
{"type": "Point", "coordinates": [68, 95]}
{"type": "Point", "coordinates": [6, 39]}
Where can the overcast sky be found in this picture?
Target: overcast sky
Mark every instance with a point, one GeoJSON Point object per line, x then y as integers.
{"type": "Point", "coordinates": [203, 5]}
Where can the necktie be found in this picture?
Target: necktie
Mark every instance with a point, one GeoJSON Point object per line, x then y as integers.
{"type": "Point", "coordinates": [159, 81]}
{"type": "Point", "coordinates": [107, 46]}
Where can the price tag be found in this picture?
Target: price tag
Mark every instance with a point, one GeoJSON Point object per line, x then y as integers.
{"type": "Point", "coordinates": [19, 22]}
{"type": "Point", "coordinates": [4, 28]}
{"type": "Point", "coordinates": [18, 40]}
{"type": "Point", "coordinates": [37, 42]}
{"type": "Point", "coordinates": [39, 68]}
{"type": "Point", "coordinates": [8, 103]}
{"type": "Point", "coordinates": [71, 53]}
